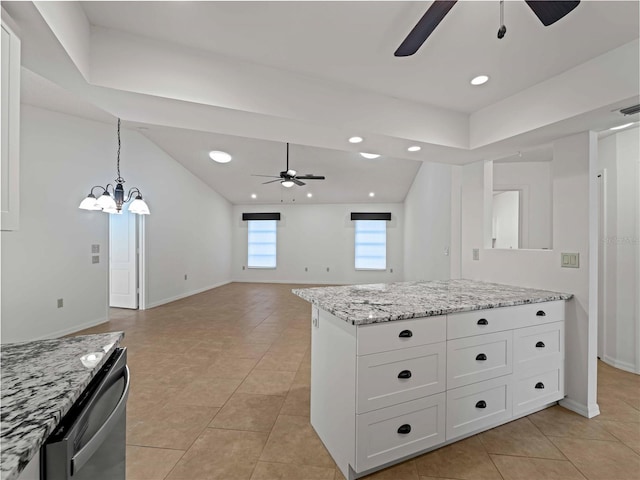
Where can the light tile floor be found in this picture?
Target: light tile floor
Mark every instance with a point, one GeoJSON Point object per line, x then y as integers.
{"type": "Point", "coordinates": [220, 390]}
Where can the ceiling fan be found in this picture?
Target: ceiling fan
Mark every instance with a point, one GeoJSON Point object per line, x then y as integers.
{"type": "Point", "coordinates": [289, 177]}
{"type": "Point", "coordinates": [547, 11]}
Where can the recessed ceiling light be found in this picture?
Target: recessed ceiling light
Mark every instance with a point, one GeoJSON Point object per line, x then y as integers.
{"type": "Point", "coordinates": [414, 148]}
{"type": "Point", "coordinates": [220, 157]}
{"type": "Point", "coordinates": [371, 194]}
{"type": "Point", "coordinates": [253, 195]}
{"type": "Point", "coordinates": [620, 127]}
{"type": "Point", "coordinates": [479, 80]}
{"type": "Point", "coordinates": [309, 195]}
{"type": "Point", "coordinates": [356, 139]}
{"type": "Point", "coordinates": [370, 156]}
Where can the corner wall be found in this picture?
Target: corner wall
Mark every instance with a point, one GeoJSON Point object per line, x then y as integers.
{"type": "Point", "coordinates": [49, 257]}
{"type": "Point", "coordinates": [573, 172]}
{"type": "Point", "coordinates": [318, 237]}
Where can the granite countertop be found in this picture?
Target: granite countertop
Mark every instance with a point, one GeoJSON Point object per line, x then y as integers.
{"type": "Point", "coordinates": [386, 302]}
{"type": "Point", "coordinates": [41, 380]}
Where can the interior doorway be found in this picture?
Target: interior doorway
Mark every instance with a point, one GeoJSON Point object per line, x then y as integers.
{"type": "Point", "coordinates": [126, 261]}
{"type": "Point", "coordinates": [602, 262]}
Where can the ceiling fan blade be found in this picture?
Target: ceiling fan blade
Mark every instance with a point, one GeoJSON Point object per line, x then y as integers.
{"type": "Point", "coordinates": [267, 176]}
{"type": "Point", "coordinates": [311, 177]}
{"type": "Point", "coordinates": [549, 12]}
{"type": "Point", "coordinates": [297, 182]}
{"type": "Point", "coordinates": [271, 181]}
{"type": "Point", "coordinates": [425, 26]}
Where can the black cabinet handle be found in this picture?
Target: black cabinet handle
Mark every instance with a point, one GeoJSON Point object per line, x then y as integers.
{"type": "Point", "coordinates": [481, 357]}
{"type": "Point", "coordinates": [405, 374]}
{"type": "Point", "coordinates": [540, 313]}
{"type": "Point", "coordinates": [406, 334]}
{"type": "Point", "coordinates": [483, 321]}
{"type": "Point", "coordinates": [540, 345]}
{"type": "Point", "coordinates": [481, 404]}
{"type": "Point", "coordinates": [540, 385]}
{"type": "Point", "coordinates": [404, 429]}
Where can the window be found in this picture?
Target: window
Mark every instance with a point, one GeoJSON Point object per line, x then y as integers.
{"type": "Point", "coordinates": [371, 244]}
{"type": "Point", "coordinates": [262, 244]}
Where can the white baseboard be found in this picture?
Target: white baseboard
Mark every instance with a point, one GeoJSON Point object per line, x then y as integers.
{"type": "Point", "coordinates": [76, 328]}
{"type": "Point", "coordinates": [588, 411]}
{"type": "Point", "coordinates": [626, 366]}
{"type": "Point", "coordinates": [164, 301]}
{"type": "Point", "coordinates": [292, 282]}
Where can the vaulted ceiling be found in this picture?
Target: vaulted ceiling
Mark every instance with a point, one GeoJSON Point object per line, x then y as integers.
{"type": "Point", "coordinates": [253, 75]}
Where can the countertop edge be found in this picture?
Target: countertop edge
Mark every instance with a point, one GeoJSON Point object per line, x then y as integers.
{"type": "Point", "coordinates": [28, 454]}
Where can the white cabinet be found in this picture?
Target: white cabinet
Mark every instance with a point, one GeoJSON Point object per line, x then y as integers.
{"type": "Point", "coordinates": [10, 141]}
{"type": "Point", "coordinates": [384, 392]}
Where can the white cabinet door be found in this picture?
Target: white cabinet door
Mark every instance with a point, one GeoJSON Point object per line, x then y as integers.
{"type": "Point", "coordinates": [10, 142]}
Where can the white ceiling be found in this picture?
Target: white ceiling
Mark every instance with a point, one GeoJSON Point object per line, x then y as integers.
{"type": "Point", "coordinates": [247, 77]}
{"type": "Point", "coordinates": [353, 42]}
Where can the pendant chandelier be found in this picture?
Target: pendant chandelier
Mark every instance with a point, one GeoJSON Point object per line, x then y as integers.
{"type": "Point", "coordinates": [112, 198]}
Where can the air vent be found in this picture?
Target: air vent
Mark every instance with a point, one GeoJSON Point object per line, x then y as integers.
{"type": "Point", "coordinates": [630, 110]}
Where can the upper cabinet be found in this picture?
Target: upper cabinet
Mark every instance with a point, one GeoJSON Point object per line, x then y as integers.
{"type": "Point", "coordinates": [10, 122]}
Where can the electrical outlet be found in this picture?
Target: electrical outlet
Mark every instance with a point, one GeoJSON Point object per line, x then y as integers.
{"type": "Point", "coordinates": [185, 276]}
{"type": "Point", "coordinates": [243, 267]}
{"type": "Point", "coordinates": [306, 269]}
{"type": "Point", "coordinates": [95, 248]}
{"type": "Point", "coordinates": [327, 269]}
{"type": "Point", "coordinates": [60, 302]}
{"type": "Point", "coordinates": [446, 251]}
{"type": "Point", "coordinates": [476, 254]}
{"type": "Point", "coordinates": [391, 270]}
{"type": "Point", "coordinates": [95, 259]}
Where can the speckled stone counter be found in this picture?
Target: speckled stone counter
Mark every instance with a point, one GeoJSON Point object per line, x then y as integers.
{"type": "Point", "coordinates": [386, 302]}
{"type": "Point", "coordinates": [40, 382]}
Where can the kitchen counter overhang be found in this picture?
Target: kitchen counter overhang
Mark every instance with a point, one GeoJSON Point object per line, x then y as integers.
{"type": "Point", "coordinates": [41, 381]}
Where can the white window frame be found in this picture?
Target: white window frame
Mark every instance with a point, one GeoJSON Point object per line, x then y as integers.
{"type": "Point", "coordinates": [250, 223]}
{"type": "Point", "coordinates": [358, 225]}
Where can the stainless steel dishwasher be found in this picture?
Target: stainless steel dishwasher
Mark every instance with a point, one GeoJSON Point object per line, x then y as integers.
{"type": "Point", "coordinates": [89, 443]}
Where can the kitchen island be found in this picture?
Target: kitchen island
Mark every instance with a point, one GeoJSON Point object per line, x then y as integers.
{"type": "Point", "coordinates": [41, 381]}
{"type": "Point", "coordinates": [400, 369]}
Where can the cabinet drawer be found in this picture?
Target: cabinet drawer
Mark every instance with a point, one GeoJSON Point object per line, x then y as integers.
{"type": "Point", "coordinates": [538, 390]}
{"type": "Point", "coordinates": [474, 359]}
{"type": "Point", "coordinates": [478, 406]}
{"type": "Point", "coordinates": [477, 322]}
{"type": "Point", "coordinates": [384, 379]}
{"type": "Point", "coordinates": [379, 439]}
{"type": "Point", "coordinates": [539, 348]}
{"type": "Point", "coordinates": [383, 337]}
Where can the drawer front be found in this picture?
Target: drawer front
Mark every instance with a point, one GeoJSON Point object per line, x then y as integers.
{"type": "Point", "coordinates": [477, 322]}
{"type": "Point", "coordinates": [538, 390]}
{"type": "Point", "coordinates": [477, 406]}
{"type": "Point", "coordinates": [383, 337]}
{"type": "Point", "coordinates": [474, 359]}
{"type": "Point", "coordinates": [379, 437]}
{"type": "Point", "coordinates": [538, 349]}
{"type": "Point", "coordinates": [388, 378]}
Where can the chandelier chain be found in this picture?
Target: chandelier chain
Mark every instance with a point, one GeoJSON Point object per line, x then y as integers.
{"type": "Point", "coordinates": [119, 179]}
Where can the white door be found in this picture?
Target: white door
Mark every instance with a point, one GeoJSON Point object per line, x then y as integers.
{"type": "Point", "coordinates": [123, 264]}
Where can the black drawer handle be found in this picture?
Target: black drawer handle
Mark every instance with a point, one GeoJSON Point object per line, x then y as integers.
{"type": "Point", "coordinates": [481, 404]}
{"type": "Point", "coordinates": [540, 313]}
{"type": "Point", "coordinates": [405, 374]}
{"type": "Point", "coordinates": [406, 334]}
{"type": "Point", "coordinates": [404, 429]}
{"type": "Point", "coordinates": [540, 385]}
{"type": "Point", "coordinates": [483, 321]}
{"type": "Point", "coordinates": [540, 345]}
{"type": "Point", "coordinates": [481, 357]}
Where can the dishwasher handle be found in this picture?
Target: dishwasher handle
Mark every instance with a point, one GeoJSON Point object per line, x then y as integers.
{"type": "Point", "coordinates": [86, 452]}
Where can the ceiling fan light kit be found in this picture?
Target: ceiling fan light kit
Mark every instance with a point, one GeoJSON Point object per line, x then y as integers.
{"type": "Point", "coordinates": [113, 204]}
{"type": "Point", "coordinates": [547, 11]}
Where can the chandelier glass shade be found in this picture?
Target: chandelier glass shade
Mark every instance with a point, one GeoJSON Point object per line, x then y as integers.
{"type": "Point", "coordinates": [111, 199]}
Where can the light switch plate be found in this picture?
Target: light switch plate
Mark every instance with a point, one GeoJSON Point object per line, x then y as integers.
{"type": "Point", "coordinates": [95, 259]}
{"type": "Point", "coordinates": [95, 248]}
{"type": "Point", "coordinates": [476, 254]}
{"type": "Point", "coordinates": [570, 260]}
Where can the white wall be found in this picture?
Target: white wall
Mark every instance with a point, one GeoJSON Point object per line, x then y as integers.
{"type": "Point", "coordinates": [573, 179]}
{"type": "Point", "coordinates": [427, 224]}
{"type": "Point", "coordinates": [533, 179]}
{"type": "Point", "coordinates": [317, 237]}
{"type": "Point", "coordinates": [506, 214]}
{"type": "Point", "coordinates": [619, 160]}
{"type": "Point", "coordinates": [50, 256]}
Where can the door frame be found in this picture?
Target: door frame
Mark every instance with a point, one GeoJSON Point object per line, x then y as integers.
{"type": "Point", "coordinates": [602, 261]}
